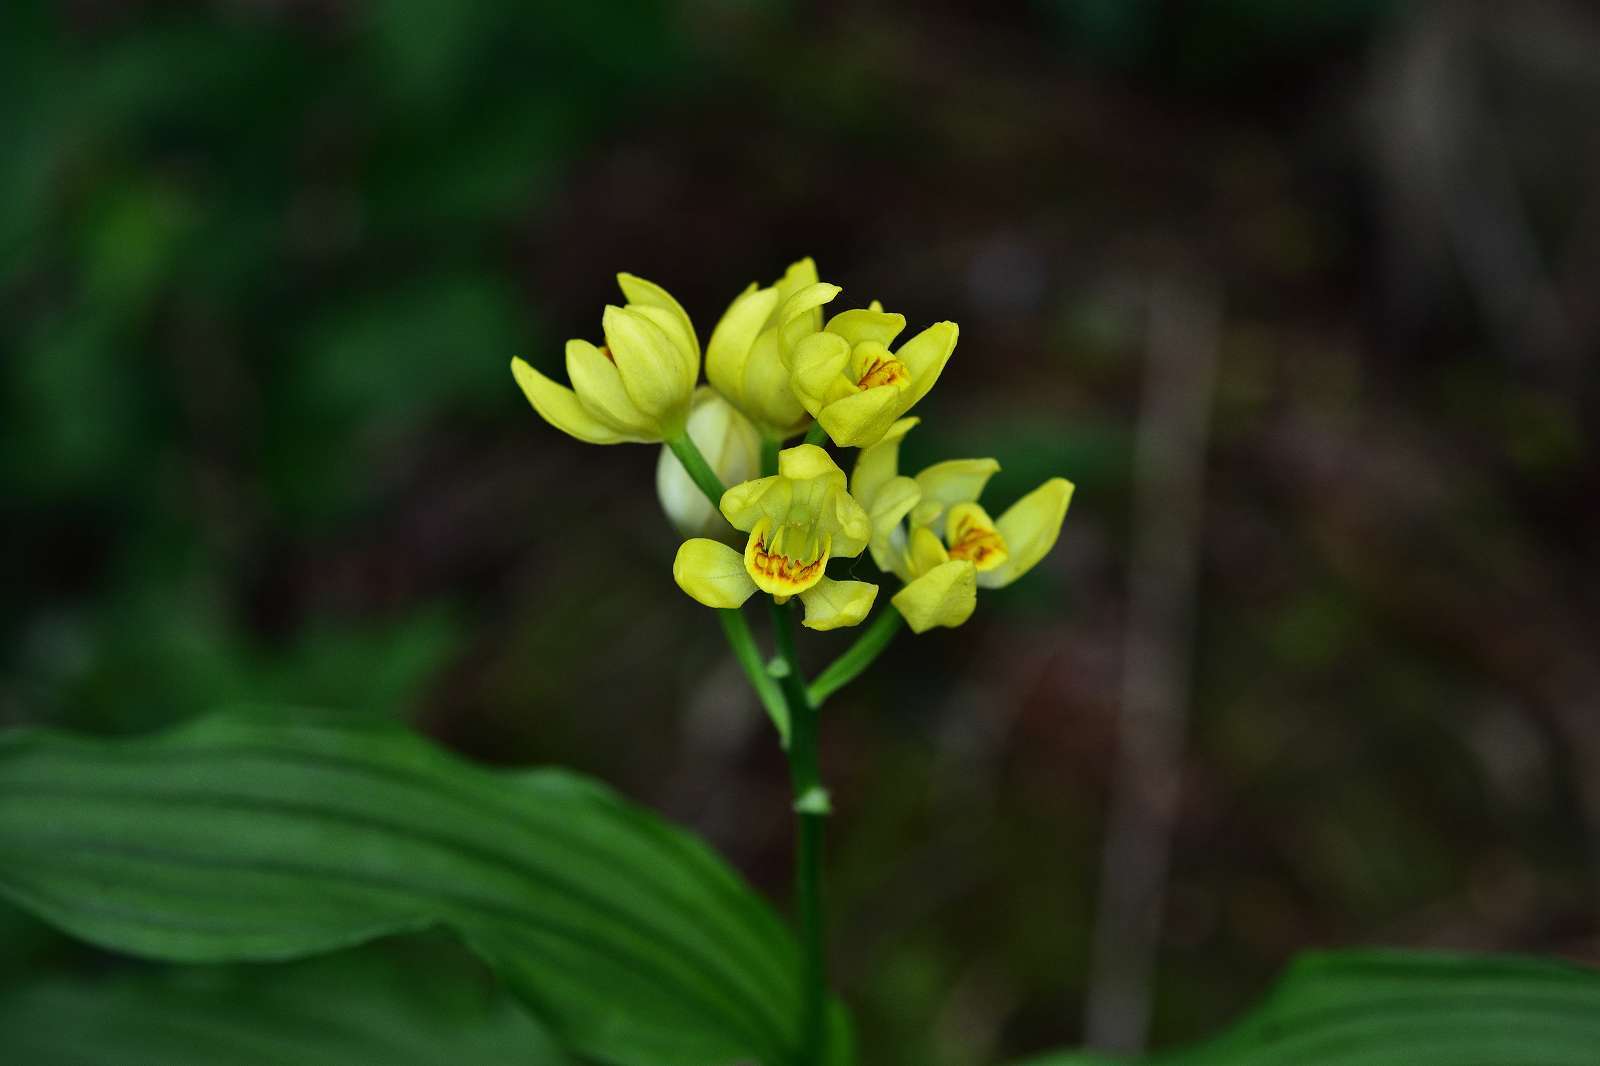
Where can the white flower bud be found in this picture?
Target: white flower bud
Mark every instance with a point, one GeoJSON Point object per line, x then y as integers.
{"type": "Point", "coordinates": [730, 443]}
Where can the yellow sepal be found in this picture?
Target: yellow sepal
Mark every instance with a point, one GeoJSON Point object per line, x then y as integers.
{"type": "Point", "coordinates": [944, 596]}
{"type": "Point", "coordinates": [651, 367]}
{"type": "Point", "coordinates": [816, 370]}
{"type": "Point", "coordinates": [925, 355]}
{"type": "Point", "coordinates": [598, 386]}
{"type": "Point", "coordinates": [860, 420]}
{"type": "Point", "coordinates": [806, 461]}
{"type": "Point", "coordinates": [736, 332]}
{"type": "Point", "coordinates": [834, 604]}
{"type": "Point", "coordinates": [880, 462]}
{"type": "Point", "coordinates": [657, 304]}
{"type": "Point", "coordinates": [749, 502]}
{"type": "Point", "coordinates": [925, 551]}
{"type": "Point", "coordinates": [801, 314]}
{"type": "Point", "coordinates": [559, 406]}
{"type": "Point", "coordinates": [712, 573]}
{"type": "Point", "coordinates": [867, 324]}
{"type": "Point", "coordinates": [948, 483]}
{"type": "Point", "coordinates": [1030, 528]}
{"type": "Point", "coordinates": [891, 502]}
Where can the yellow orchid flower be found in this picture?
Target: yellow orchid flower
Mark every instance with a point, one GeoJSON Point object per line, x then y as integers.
{"type": "Point", "coordinates": [952, 547]}
{"type": "Point", "coordinates": [732, 448]}
{"type": "Point", "coordinates": [637, 386]}
{"type": "Point", "coordinates": [798, 519]}
{"type": "Point", "coordinates": [744, 360]}
{"type": "Point", "coordinates": [847, 379]}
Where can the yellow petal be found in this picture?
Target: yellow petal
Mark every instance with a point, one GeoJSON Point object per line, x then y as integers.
{"type": "Point", "coordinates": [925, 551]}
{"type": "Point", "coordinates": [801, 314]}
{"type": "Point", "coordinates": [747, 503]}
{"type": "Point", "coordinates": [862, 324]}
{"type": "Point", "coordinates": [559, 406]}
{"type": "Point", "coordinates": [890, 503]}
{"type": "Point", "coordinates": [846, 521]}
{"type": "Point", "coordinates": [733, 338]}
{"type": "Point", "coordinates": [860, 421]}
{"type": "Point", "coordinates": [658, 305]}
{"type": "Point", "coordinates": [876, 465]}
{"type": "Point", "coordinates": [816, 370]}
{"type": "Point", "coordinates": [833, 604]}
{"type": "Point", "coordinates": [944, 596]}
{"type": "Point", "coordinates": [712, 573]}
{"type": "Point", "coordinates": [925, 356]}
{"type": "Point", "coordinates": [768, 397]}
{"type": "Point", "coordinates": [1030, 528]}
{"type": "Point", "coordinates": [599, 388]}
{"type": "Point", "coordinates": [806, 461]}
{"type": "Point", "coordinates": [924, 513]}
{"type": "Point", "coordinates": [651, 368]}
{"type": "Point", "coordinates": [799, 274]}
{"type": "Point", "coordinates": [688, 357]}
{"type": "Point", "coordinates": [949, 483]}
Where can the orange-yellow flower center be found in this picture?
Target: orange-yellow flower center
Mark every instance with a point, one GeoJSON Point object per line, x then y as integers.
{"type": "Point", "coordinates": [884, 370]}
{"type": "Point", "coordinates": [787, 559]}
{"type": "Point", "coordinates": [973, 537]}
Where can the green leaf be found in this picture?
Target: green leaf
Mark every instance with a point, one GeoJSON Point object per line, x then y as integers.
{"type": "Point", "coordinates": [353, 1009]}
{"type": "Point", "coordinates": [1397, 1008]}
{"type": "Point", "coordinates": [232, 839]}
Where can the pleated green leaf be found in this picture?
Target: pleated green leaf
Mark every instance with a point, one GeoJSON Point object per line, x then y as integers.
{"type": "Point", "coordinates": [235, 839]}
{"type": "Point", "coordinates": [1397, 1008]}
{"type": "Point", "coordinates": [345, 1010]}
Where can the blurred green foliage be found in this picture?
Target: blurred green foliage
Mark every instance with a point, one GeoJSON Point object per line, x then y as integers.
{"type": "Point", "coordinates": [262, 267]}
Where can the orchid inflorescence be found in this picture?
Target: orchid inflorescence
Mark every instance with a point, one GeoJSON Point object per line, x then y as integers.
{"type": "Point", "coordinates": [777, 370]}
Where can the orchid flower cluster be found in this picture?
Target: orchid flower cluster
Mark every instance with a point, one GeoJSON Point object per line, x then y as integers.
{"type": "Point", "coordinates": [777, 370]}
{"type": "Point", "coordinates": [762, 517]}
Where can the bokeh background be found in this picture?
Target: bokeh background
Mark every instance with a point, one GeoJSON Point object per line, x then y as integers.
{"type": "Point", "coordinates": [1301, 296]}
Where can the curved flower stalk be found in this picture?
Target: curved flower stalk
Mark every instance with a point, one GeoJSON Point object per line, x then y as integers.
{"type": "Point", "coordinates": [744, 359]}
{"type": "Point", "coordinates": [798, 519]}
{"type": "Point", "coordinates": [636, 387]}
{"type": "Point", "coordinates": [849, 381]}
{"type": "Point", "coordinates": [731, 446]}
{"type": "Point", "coordinates": [950, 546]}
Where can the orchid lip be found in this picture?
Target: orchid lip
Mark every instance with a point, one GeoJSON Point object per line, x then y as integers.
{"type": "Point", "coordinates": [788, 559]}
{"type": "Point", "coordinates": [884, 370]}
{"type": "Point", "coordinates": [984, 548]}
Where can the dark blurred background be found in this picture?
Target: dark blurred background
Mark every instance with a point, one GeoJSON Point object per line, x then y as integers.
{"type": "Point", "coordinates": [1301, 296]}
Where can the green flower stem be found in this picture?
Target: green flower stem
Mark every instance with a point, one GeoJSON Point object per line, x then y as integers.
{"type": "Point", "coordinates": [743, 643]}
{"type": "Point", "coordinates": [699, 470]}
{"type": "Point", "coordinates": [816, 434]}
{"type": "Point", "coordinates": [782, 689]}
{"type": "Point", "coordinates": [811, 807]}
{"type": "Point", "coordinates": [769, 455]}
{"type": "Point", "coordinates": [857, 657]}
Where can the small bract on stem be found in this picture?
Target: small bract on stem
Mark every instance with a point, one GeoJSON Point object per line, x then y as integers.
{"type": "Point", "coordinates": [776, 371]}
